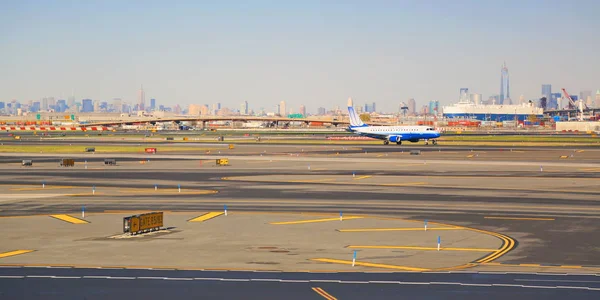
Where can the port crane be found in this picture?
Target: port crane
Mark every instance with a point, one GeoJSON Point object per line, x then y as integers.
{"type": "Point", "coordinates": [572, 105]}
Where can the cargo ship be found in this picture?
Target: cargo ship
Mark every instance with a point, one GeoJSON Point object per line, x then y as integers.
{"type": "Point", "coordinates": [493, 112]}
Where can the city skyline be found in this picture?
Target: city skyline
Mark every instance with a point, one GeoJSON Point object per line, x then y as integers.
{"type": "Point", "coordinates": [302, 53]}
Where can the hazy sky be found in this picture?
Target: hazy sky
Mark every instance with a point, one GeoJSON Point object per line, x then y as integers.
{"type": "Point", "coordinates": [316, 53]}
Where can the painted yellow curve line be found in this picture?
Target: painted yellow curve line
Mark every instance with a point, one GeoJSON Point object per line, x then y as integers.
{"type": "Point", "coordinates": [424, 248]}
{"type": "Point", "coordinates": [315, 221]}
{"type": "Point", "coordinates": [398, 229]}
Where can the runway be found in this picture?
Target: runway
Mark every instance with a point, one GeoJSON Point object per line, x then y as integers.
{"type": "Point", "coordinates": [58, 283]}
{"type": "Point", "coordinates": [550, 212]}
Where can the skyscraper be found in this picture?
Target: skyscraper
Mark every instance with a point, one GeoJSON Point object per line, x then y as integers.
{"type": "Point", "coordinates": [244, 108]}
{"type": "Point", "coordinates": [412, 106]}
{"type": "Point", "coordinates": [152, 104]}
{"type": "Point", "coordinates": [597, 99]}
{"type": "Point", "coordinates": [463, 97]}
{"type": "Point", "coordinates": [546, 90]}
{"type": "Point", "coordinates": [504, 86]}
{"type": "Point", "coordinates": [282, 110]}
{"type": "Point", "coordinates": [321, 111]}
{"type": "Point", "coordinates": [476, 98]}
{"type": "Point", "coordinates": [586, 97]}
{"type": "Point", "coordinates": [118, 105]}
{"type": "Point", "coordinates": [194, 110]}
{"type": "Point", "coordinates": [303, 110]}
{"type": "Point", "coordinates": [141, 99]}
{"type": "Point", "coordinates": [87, 105]}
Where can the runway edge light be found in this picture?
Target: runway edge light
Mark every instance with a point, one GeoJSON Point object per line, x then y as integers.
{"type": "Point", "coordinates": [425, 224]}
{"type": "Point", "coordinates": [225, 209]}
{"type": "Point", "coordinates": [83, 211]}
{"type": "Point", "coordinates": [439, 242]}
{"type": "Point", "coordinates": [354, 258]}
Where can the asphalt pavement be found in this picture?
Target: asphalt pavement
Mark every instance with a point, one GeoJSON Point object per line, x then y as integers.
{"type": "Point", "coordinates": [73, 283]}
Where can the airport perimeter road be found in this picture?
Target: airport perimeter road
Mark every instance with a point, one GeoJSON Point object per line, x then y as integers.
{"type": "Point", "coordinates": [61, 283]}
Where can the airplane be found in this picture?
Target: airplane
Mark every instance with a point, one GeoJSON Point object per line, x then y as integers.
{"type": "Point", "coordinates": [394, 134]}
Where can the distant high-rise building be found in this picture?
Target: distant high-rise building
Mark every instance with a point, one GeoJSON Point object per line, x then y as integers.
{"type": "Point", "coordinates": [87, 105]}
{"type": "Point", "coordinates": [583, 95]}
{"type": "Point", "coordinates": [244, 108]}
{"type": "Point", "coordinates": [434, 107]}
{"type": "Point", "coordinates": [412, 106]}
{"type": "Point", "coordinates": [152, 104]}
{"type": "Point", "coordinates": [589, 101]}
{"type": "Point", "coordinates": [369, 108]}
{"type": "Point", "coordinates": [118, 105]}
{"type": "Point", "coordinates": [547, 90]}
{"type": "Point", "coordinates": [463, 96]}
{"type": "Point", "coordinates": [71, 102]}
{"type": "Point", "coordinates": [61, 105]}
{"type": "Point", "coordinates": [2, 105]}
{"type": "Point", "coordinates": [475, 98]}
{"type": "Point", "coordinates": [194, 110]}
{"type": "Point", "coordinates": [597, 99]}
{"type": "Point", "coordinates": [96, 105]}
{"type": "Point", "coordinates": [44, 103]}
{"type": "Point", "coordinates": [141, 99]}
{"type": "Point", "coordinates": [302, 110]}
{"type": "Point", "coordinates": [321, 111]}
{"type": "Point", "coordinates": [204, 110]}
{"type": "Point", "coordinates": [504, 86]}
{"type": "Point", "coordinates": [282, 109]}
{"type": "Point", "coordinates": [553, 102]}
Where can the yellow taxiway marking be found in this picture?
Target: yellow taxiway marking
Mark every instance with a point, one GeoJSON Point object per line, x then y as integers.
{"type": "Point", "coordinates": [367, 264]}
{"type": "Point", "coordinates": [519, 218]}
{"type": "Point", "coordinates": [398, 229]}
{"type": "Point", "coordinates": [206, 216]}
{"type": "Point", "coordinates": [314, 221]}
{"type": "Point", "coordinates": [362, 177]}
{"type": "Point", "coordinates": [12, 253]}
{"type": "Point", "coordinates": [403, 184]}
{"type": "Point", "coordinates": [42, 188]}
{"type": "Point", "coordinates": [590, 169]}
{"type": "Point", "coordinates": [69, 219]}
{"type": "Point", "coordinates": [323, 293]}
{"type": "Point", "coordinates": [424, 248]}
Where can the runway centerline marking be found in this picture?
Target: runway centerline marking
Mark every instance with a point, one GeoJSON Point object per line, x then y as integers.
{"type": "Point", "coordinates": [425, 248]}
{"type": "Point", "coordinates": [519, 218]}
{"type": "Point", "coordinates": [323, 293]}
{"type": "Point", "coordinates": [69, 219]}
{"type": "Point", "coordinates": [207, 216]}
{"type": "Point", "coordinates": [15, 252]}
{"type": "Point", "coordinates": [367, 264]}
{"type": "Point", "coordinates": [315, 220]}
{"type": "Point", "coordinates": [398, 229]}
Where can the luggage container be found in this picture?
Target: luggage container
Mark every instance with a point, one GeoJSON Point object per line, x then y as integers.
{"type": "Point", "coordinates": [222, 162]}
{"type": "Point", "coordinates": [67, 162]}
{"type": "Point", "coordinates": [150, 150]}
{"type": "Point", "coordinates": [143, 223]}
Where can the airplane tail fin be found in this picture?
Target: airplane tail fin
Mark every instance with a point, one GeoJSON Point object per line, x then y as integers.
{"type": "Point", "coordinates": [355, 120]}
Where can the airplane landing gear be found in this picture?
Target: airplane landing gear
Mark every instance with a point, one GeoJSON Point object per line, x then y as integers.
{"type": "Point", "coordinates": [398, 143]}
{"type": "Point", "coordinates": [434, 142]}
{"type": "Point", "coordinates": [426, 142]}
{"type": "Point", "coordinates": [386, 142]}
